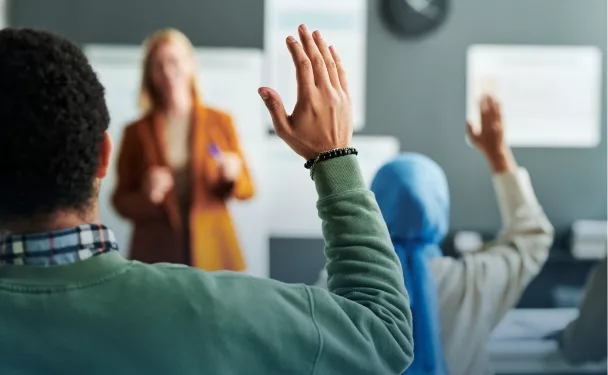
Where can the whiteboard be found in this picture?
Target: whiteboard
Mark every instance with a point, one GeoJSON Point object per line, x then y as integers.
{"type": "Point", "coordinates": [229, 79]}
{"type": "Point", "coordinates": [293, 197]}
{"type": "Point", "coordinates": [550, 95]}
{"type": "Point", "coordinates": [343, 23]}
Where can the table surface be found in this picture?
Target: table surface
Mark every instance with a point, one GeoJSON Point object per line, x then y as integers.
{"type": "Point", "coordinates": [519, 345]}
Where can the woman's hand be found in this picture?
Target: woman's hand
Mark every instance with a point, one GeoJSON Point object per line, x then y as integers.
{"type": "Point", "coordinates": [157, 183]}
{"type": "Point", "coordinates": [322, 118]}
{"type": "Point", "coordinates": [230, 166]}
{"type": "Point", "coordinates": [490, 140]}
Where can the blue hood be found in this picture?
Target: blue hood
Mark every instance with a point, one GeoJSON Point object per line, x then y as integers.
{"type": "Point", "coordinates": [412, 192]}
{"type": "Point", "coordinates": [413, 196]}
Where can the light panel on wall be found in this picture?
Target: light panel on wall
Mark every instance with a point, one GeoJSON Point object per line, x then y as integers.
{"type": "Point", "coordinates": [550, 95]}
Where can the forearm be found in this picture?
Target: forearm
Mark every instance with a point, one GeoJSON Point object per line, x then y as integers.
{"type": "Point", "coordinates": [501, 160]}
{"type": "Point", "coordinates": [521, 213]}
{"type": "Point", "coordinates": [517, 201]}
{"type": "Point", "coordinates": [518, 254]}
{"type": "Point", "coordinates": [362, 265]}
{"type": "Point", "coordinates": [514, 193]}
{"type": "Point", "coordinates": [357, 241]}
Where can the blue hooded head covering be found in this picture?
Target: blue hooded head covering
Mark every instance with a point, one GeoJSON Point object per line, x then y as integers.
{"type": "Point", "coordinates": [413, 196]}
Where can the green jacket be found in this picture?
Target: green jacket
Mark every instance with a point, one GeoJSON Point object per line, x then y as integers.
{"type": "Point", "coordinates": [108, 315]}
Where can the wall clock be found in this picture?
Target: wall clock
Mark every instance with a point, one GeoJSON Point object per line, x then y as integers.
{"type": "Point", "coordinates": [414, 18]}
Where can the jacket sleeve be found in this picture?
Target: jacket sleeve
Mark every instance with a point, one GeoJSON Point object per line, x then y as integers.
{"type": "Point", "coordinates": [584, 340]}
{"type": "Point", "coordinates": [364, 320]}
{"type": "Point", "coordinates": [361, 325]}
{"type": "Point", "coordinates": [128, 199]}
{"type": "Point", "coordinates": [486, 284]}
{"type": "Point", "coordinates": [243, 187]}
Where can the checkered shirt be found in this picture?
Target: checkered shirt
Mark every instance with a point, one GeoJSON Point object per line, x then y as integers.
{"type": "Point", "coordinates": [57, 248]}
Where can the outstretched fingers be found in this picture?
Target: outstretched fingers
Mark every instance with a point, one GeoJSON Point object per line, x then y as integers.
{"type": "Point", "coordinates": [339, 69]}
{"type": "Point", "coordinates": [330, 65]}
{"type": "Point", "coordinates": [304, 74]}
{"type": "Point", "coordinates": [319, 68]}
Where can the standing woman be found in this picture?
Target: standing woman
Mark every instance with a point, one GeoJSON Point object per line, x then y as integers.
{"type": "Point", "coordinates": [178, 166]}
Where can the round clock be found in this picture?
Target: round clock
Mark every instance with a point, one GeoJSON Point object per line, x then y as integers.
{"type": "Point", "coordinates": [412, 18]}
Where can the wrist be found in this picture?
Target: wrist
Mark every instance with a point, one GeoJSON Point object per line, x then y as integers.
{"type": "Point", "coordinates": [313, 153]}
{"type": "Point", "coordinates": [339, 175]}
{"type": "Point", "coordinates": [501, 160]}
{"type": "Point", "coordinates": [328, 155]}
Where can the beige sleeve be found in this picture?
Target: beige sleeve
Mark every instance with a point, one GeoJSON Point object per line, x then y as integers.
{"type": "Point", "coordinates": [584, 340]}
{"type": "Point", "coordinates": [485, 285]}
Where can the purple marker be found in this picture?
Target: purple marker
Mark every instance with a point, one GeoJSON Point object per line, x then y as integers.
{"type": "Point", "coordinates": [214, 151]}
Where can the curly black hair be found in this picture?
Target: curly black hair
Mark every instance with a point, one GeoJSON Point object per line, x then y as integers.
{"type": "Point", "coordinates": [52, 121]}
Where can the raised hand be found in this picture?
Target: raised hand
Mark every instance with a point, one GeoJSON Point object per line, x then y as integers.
{"type": "Point", "coordinates": [157, 183]}
{"type": "Point", "coordinates": [322, 117]}
{"type": "Point", "coordinates": [489, 139]}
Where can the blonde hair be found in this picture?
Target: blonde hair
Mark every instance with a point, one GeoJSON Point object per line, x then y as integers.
{"type": "Point", "coordinates": [148, 98]}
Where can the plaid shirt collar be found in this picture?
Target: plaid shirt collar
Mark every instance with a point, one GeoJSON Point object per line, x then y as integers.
{"type": "Point", "coordinates": [57, 248]}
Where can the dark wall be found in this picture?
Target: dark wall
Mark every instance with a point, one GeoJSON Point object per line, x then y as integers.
{"type": "Point", "coordinates": [416, 89]}
{"type": "Point", "coordinates": [417, 92]}
{"type": "Point", "coordinates": [225, 23]}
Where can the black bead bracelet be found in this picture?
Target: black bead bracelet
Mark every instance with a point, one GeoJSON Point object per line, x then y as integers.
{"type": "Point", "coordinates": [331, 154]}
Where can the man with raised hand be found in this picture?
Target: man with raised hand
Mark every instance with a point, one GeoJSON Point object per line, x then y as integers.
{"type": "Point", "coordinates": [69, 303]}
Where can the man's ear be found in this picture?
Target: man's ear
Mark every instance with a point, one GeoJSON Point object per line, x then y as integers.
{"type": "Point", "coordinates": [105, 153]}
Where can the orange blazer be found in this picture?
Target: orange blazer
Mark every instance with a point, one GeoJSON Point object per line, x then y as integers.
{"type": "Point", "coordinates": [157, 235]}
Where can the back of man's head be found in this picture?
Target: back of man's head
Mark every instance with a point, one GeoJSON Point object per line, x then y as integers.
{"type": "Point", "coordinates": [52, 121]}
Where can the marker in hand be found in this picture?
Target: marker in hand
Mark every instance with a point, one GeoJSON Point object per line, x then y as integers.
{"type": "Point", "coordinates": [229, 163]}
{"type": "Point", "coordinates": [215, 151]}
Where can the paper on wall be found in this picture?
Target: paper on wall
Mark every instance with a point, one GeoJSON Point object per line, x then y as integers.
{"type": "Point", "coordinates": [291, 193]}
{"type": "Point", "coordinates": [342, 22]}
{"type": "Point", "coordinates": [550, 95]}
{"type": "Point", "coordinates": [229, 81]}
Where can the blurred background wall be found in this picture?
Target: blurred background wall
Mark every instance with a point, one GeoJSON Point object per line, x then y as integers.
{"type": "Point", "coordinates": [416, 91]}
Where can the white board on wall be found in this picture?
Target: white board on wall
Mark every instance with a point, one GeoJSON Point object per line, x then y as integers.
{"type": "Point", "coordinates": [292, 195]}
{"type": "Point", "coordinates": [550, 95]}
{"type": "Point", "coordinates": [229, 80]}
{"type": "Point", "coordinates": [343, 23]}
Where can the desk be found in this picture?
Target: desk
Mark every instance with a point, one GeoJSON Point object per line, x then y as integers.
{"type": "Point", "coordinates": [518, 346]}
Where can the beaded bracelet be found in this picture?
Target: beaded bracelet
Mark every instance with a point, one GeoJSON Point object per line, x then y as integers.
{"type": "Point", "coordinates": [326, 155]}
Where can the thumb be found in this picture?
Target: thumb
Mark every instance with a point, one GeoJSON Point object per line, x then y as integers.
{"type": "Point", "coordinates": [273, 102]}
{"type": "Point", "coordinates": [471, 132]}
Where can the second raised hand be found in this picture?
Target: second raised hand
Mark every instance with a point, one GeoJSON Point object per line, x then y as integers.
{"type": "Point", "coordinates": [490, 137]}
{"type": "Point", "coordinates": [322, 117]}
